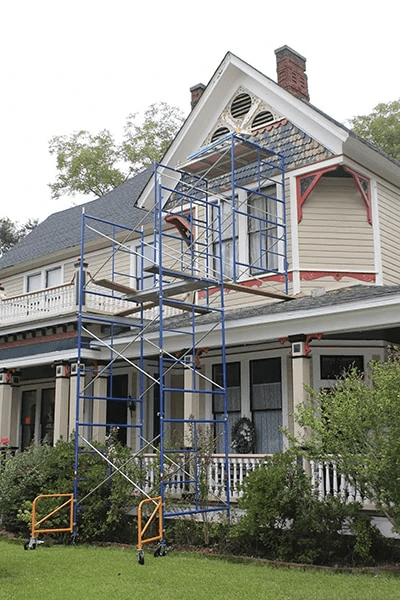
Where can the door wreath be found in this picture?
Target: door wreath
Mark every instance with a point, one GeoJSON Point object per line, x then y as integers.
{"type": "Point", "coordinates": [243, 436]}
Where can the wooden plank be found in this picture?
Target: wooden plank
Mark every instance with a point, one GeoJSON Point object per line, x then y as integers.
{"type": "Point", "coordinates": [113, 285]}
{"type": "Point", "coordinates": [188, 307]}
{"type": "Point", "coordinates": [188, 283]}
{"type": "Point", "coordinates": [237, 287]}
{"type": "Point", "coordinates": [135, 309]}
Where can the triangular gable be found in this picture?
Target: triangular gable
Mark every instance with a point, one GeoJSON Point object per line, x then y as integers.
{"type": "Point", "coordinates": [214, 110]}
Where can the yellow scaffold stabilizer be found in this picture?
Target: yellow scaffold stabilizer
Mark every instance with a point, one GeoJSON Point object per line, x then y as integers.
{"type": "Point", "coordinates": [36, 526]}
{"type": "Point", "coordinates": [143, 527]}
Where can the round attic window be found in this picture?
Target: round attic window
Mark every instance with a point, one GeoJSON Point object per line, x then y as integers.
{"type": "Point", "coordinates": [240, 105]}
{"type": "Point", "coordinates": [262, 118]}
{"type": "Point", "coordinates": [218, 133]}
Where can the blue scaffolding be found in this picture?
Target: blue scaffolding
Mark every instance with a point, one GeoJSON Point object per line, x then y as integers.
{"type": "Point", "coordinates": [170, 309]}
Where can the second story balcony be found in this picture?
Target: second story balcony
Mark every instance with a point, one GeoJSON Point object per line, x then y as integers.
{"type": "Point", "coordinates": [62, 300]}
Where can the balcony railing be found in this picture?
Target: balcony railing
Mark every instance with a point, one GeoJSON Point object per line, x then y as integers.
{"type": "Point", "coordinates": [35, 305]}
{"type": "Point", "coordinates": [61, 300]}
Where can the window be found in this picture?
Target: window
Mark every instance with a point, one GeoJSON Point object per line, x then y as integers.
{"type": "Point", "coordinates": [44, 279]}
{"type": "Point", "coordinates": [37, 416]}
{"type": "Point", "coordinates": [266, 404]}
{"type": "Point", "coordinates": [34, 282]}
{"type": "Point", "coordinates": [233, 401]}
{"type": "Point", "coordinates": [263, 230]}
{"type": "Point", "coordinates": [227, 243]}
{"type": "Point", "coordinates": [53, 277]}
{"type": "Point", "coordinates": [334, 367]}
{"type": "Point", "coordinates": [252, 236]}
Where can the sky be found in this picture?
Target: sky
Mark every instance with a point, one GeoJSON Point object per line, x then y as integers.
{"type": "Point", "coordinates": [88, 64]}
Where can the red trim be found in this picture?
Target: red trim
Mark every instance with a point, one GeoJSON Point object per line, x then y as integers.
{"type": "Point", "coordinates": [338, 276]}
{"type": "Point", "coordinates": [302, 197]}
{"type": "Point", "coordinates": [316, 176]}
{"type": "Point", "coordinates": [309, 337]}
{"type": "Point", "coordinates": [183, 226]}
{"type": "Point", "coordinates": [365, 195]}
{"type": "Point", "coordinates": [249, 283]}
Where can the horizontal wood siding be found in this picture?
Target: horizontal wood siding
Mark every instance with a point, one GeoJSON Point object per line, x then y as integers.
{"type": "Point", "coordinates": [334, 232]}
{"type": "Point", "coordinates": [389, 220]}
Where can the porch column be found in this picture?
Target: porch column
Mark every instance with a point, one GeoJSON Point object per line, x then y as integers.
{"type": "Point", "coordinates": [5, 406]}
{"type": "Point", "coordinates": [61, 401]}
{"type": "Point", "coordinates": [191, 408]}
{"type": "Point", "coordinates": [72, 395]}
{"type": "Point", "coordinates": [77, 266]}
{"type": "Point", "coordinates": [99, 406]}
{"type": "Point", "coordinates": [301, 373]}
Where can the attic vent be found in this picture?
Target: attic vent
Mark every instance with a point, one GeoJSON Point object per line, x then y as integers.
{"type": "Point", "coordinates": [240, 105]}
{"type": "Point", "coordinates": [262, 118]}
{"type": "Point", "coordinates": [219, 133]}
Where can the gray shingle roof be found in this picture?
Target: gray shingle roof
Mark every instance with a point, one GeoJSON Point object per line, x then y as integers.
{"type": "Point", "coordinates": [62, 229]}
{"type": "Point", "coordinates": [330, 299]}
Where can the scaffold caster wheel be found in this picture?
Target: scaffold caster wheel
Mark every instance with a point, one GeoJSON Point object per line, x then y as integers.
{"type": "Point", "coordinates": [163, 551]}
{"type": "Point", "coordinates": [30, 544]}
{"type": "Point", "coordinates": [140, 557]}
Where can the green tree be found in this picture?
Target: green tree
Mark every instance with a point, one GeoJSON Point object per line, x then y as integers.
{"type": "Point", "coordinates": [381, 127]}
{"type": "Point", "coordinates": [11, 232]}
{"type": "Point", "coordinates": [357, 425]}
{"type": "Point", "coordinates": [96, 163]}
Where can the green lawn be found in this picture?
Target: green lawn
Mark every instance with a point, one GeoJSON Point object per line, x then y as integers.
{"type": "Point", "coordinates": [69, 572]}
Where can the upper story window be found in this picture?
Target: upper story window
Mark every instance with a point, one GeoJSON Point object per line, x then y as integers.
{"type": "Point", "coordinates": [262, 224]}
{"type": "Point", "coordinates": [251, 238]}
{"type": "Point", "coordinates": [46, 278]}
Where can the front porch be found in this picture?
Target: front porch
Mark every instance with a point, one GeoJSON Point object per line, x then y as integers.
{"type": "Point", "coordinates": [324, 477]}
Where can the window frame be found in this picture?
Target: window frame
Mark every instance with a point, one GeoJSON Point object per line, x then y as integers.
{"type": "Point", "coordinates": [42, 276]}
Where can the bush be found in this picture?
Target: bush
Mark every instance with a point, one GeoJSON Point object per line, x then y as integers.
{"type": "Point", "coordinates": [286, 521]}
{"type": "Point", "coordinates": [44, 469]}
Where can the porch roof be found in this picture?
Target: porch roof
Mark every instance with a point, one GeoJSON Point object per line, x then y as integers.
{"type": "Point", "coordinates": [357, 312]}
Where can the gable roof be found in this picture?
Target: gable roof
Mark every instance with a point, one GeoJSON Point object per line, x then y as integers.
{"type": "Point", "coordinates": [234, 74]}
{"type": "Point", "coordinates": [62, 230]}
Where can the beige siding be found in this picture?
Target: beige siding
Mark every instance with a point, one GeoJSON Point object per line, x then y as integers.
{"type": "Point", "coordinates": [389, 220]}
{"type": "Point", "coordinates": [334, 233]}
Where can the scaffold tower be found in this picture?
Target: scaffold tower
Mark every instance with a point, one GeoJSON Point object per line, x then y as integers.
{"type": "Point", "coordinates": [153, 299]}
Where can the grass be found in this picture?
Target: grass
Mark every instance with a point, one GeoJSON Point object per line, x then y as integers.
{"type": "Point", "coordinates": [67, 572]}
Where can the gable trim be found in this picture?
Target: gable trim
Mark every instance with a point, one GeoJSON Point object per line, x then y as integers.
{"type": "Point", "coordinates": [305, 184]}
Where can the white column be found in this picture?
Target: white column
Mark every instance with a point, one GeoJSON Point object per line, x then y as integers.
{"type": "Point", "coordinates": [5, 406]}
{"type": "Point", "coordinates": [73, 394]}
{"type": "Point", "coordinates": [99, 407]}
{"type": "Point", "coordinates": [61, 401]}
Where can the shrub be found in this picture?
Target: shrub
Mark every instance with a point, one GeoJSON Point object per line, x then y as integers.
{"type": "Point", "coordinates": [286, 521]}
{"type": "Point", "coordinates": [44, 469]}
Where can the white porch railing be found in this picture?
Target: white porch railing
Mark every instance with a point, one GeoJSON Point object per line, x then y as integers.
{"type": "Point", "coordinates": [324, 477]}
{"type": "Point", "coordinates": [61, 300]}
{"type": "Point", "coordinates": [239, 467]}
{"type": "Point", "coordinates": [328, 482]}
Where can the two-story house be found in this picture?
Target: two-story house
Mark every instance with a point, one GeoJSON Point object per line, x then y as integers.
{"type": "Point", "coordinates": [261, 257]}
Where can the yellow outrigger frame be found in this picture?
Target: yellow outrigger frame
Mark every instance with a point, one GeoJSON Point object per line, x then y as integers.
{"type": "Point", "coordinates": [158, 511]}
{"type": "Point", "coordinates": [36, 525]}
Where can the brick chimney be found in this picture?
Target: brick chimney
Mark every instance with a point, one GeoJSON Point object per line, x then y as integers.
{"type": "Point", "coordinates": [196, 92]}
{"type": "Point", "coordinates": [290, 68]}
